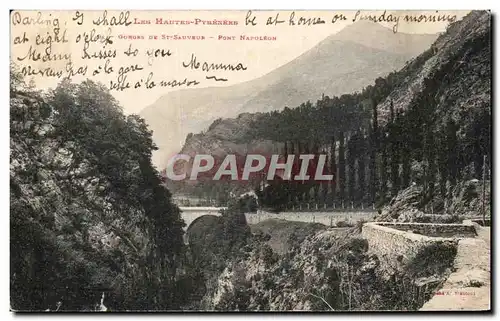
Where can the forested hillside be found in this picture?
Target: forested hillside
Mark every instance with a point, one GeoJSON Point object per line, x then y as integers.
{"type": "Point", "coordinates": [90, 220]}
{"type": "Point", "coordinates": [428, 124]}
{"type": "Point", "coordinates": [342, 63]}
{"type": "Point", "coordinates": [93, 226]}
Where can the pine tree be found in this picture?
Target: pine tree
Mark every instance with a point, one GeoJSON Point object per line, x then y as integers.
{"type": "Point", "coordinates": [351, 166]}
{"type": "Point", "coordinates": [292, 188]}
{"type": "Point", "coordinates": [306, 186]}
{"type": "Point", "coordinates": [375, 123]}
{"type": "Point", "coordinates": [298, 186]}
{"type": "Point", "coordinates": [383, 169]}
{"type": "Point", "coordinates": [361, 167]}
{"type": "Point", "coordinates": [333, 168]}
{"type": "Point", "coordinates": [325, 184]}
{"type": "Point", "coordinates": [442, 160]}
{"type": "Point", "coordinates": [373, 151]}
{"type": "Point", "coordinates": [452, 151]}
{"type": "Point", "coordinates": [405, 154]}
{"type": "Point", "coordinates": [286, 183]}
{"type": "Point", "coordinates": [394, 136]}
{"type": "Point", "coordinates": [314, 165]}
{"type": "Point", "coordinates": [342, 175]}
{"type": "Point", "coordinates": [430, 162]}
{"type": "Point", "coordinates": [427, 109]}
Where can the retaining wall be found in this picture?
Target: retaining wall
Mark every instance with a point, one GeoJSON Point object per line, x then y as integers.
{"type": "Point", "coordinates": [434, 230]}
{"type": "Point", "coordinates": [396, 245]}
{"type": "Point", "coordinates": [325, 218]}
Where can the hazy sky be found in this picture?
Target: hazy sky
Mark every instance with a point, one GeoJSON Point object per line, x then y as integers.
{"type": "Point", "coordinates": [258, 57]}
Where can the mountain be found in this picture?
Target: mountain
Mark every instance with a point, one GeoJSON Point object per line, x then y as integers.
{"type": "Point", "coordinates": [465, 47]}
{"type": "Point", "coordinates": [87, 210]}
{"type": "Point", "coordinates": [433, 116]}
{"type": "Point", "coordinates": [342, 63]}
{"type": "Point", "coordinates": [229, 136]}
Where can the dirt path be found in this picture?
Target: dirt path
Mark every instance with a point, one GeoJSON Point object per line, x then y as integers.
{"type": "Point", "coordinates": [468, 287]}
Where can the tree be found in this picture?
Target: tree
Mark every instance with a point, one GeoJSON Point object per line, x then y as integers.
{"type": "Point", "coordinates": [430, 162]}
{"type": "Point", "coordinates": [325, 184]}
{"type": "Point", "coordinates": [362, 149]}
{"type": "Point", "coordinates": [383, 168]}
{"type": "Point", "coordinates": [90, 167]}
{"type": "Point", "coordinates": [405, 152]}
{"type": "Point", "coordinates": [394, 141]}
{"type": "Point", "coordinates": [351, 166]}
{"type": "Point", "coordinates": [342, 167]}
{"type": "Point", "coordinates": [374, 143]}
{"type": "Point", "coordinates": [236, 229]}
{"type": "Point", "coordinates": [451, 151]}
{"type": "Point", "coordinates": [333, 164]}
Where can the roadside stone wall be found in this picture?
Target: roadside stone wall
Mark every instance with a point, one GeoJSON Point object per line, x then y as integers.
{"type": "Point", "coordinates": [434, 230]}
{"type": "Point", "coordinates": [325, 218]}
{"type": "Point", "coordinates": [395, 248]}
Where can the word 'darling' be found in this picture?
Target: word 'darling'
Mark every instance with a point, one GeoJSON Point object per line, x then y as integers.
{"type": "Point", "coordinates": [242, 168]}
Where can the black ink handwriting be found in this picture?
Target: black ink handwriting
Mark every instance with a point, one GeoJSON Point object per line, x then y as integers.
{"type": "Point", "coordinates": [78, 15]}
{"type": "Point", "coordinates": [194, 64]}
{"type": "Point", "coordinates": [216, 79]}
{"type": "Point", "coordinates": [122, 19]}
{"type": "Point", "coordinates": [249, 20]}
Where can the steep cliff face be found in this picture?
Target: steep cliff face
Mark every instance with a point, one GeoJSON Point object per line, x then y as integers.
{"type": "Point", "coordinates": [229, 136]}
{"type": "Point", "coordinates": [87, 209]}
{"type": "Point", "coordinates": [459, 61]}
{"type": "Point", "coordinates": [342, 63]}
{"type": "Point", "coordinates": [466, 201]}
{"type": "Point", "coordinates": [328, 270]}
{"type": "Point", "coordinates": [223, 137]}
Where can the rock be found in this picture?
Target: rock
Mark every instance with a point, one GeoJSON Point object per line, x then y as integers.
{"type": "Point", "coordinates": [406, 204]}
{"type": "Point", "coordinates": [467, 199]}
{"type": "Point", "coordinates": [410, 216]}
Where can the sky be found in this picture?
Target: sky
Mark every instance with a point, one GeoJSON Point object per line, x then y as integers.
{"type": "Point", "coordinates": [35, 30]}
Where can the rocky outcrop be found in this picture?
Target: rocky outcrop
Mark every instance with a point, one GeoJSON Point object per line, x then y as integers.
{"type": "Point", "coordinates": [468, 65]}
{"type": "Point", "coordinates": [329, 270]}
{"type": "Point", "coordinates": [468, 198]}
{"type": "Point", "coordinates": [466, 201]}
{"type": "Point", "coordinates": [405, 207]}
{"type": "Point", "coordinates": [229, 136]}
{"type": "Point", "coordinates": [87, 210]}
{"type": "Point", "coordinates": [342, 63]}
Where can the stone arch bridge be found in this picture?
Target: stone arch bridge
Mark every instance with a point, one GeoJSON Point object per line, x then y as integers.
{"type": "Point", "coordinates": [190, 214]}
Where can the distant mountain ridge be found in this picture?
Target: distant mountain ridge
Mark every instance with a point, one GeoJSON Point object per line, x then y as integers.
{"type": "Point", "coordinates": [342, 63]}
{"type": "Point", "coordinates": [433, 116]}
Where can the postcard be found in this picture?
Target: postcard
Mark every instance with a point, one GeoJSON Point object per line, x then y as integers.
{"type": "Point", "coordinates": [250, 160]}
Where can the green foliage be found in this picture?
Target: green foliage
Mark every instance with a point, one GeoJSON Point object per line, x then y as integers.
{"type": "Point", "coordinates": [249, 204]}
{"type": "Point", "coordinates": [274, 196]}
{"type": "Point", "coordinates": [236, 229]}
{"type": "Point", "coordinates": [213, 243]}
{"type": "Point", "coordinates": [88, 211]}
{"type": "Point", "coordinates": [373, 159]}
{"type": "Point", "coordinates": [327, 272]}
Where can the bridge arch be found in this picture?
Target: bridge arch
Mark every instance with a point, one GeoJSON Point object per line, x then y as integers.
{"type": "Point", "coordinates": [208, 224]}
{"type": "Point", "coordinates": [198, 219]}
{"type": "Point", "coordinates": [190, 214]}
